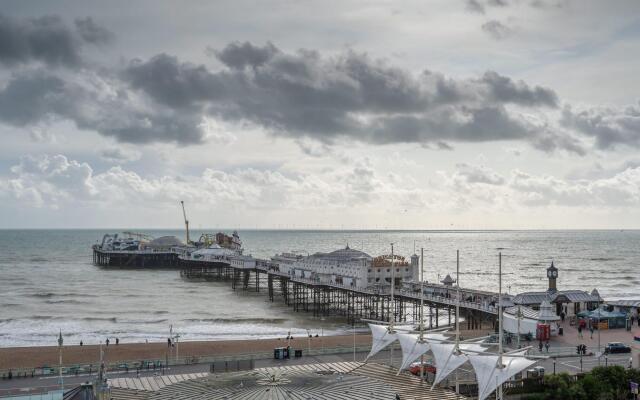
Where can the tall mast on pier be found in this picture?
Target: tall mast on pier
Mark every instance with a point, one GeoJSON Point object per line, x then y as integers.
{"type": "Point", "coordinates": [186, 221]}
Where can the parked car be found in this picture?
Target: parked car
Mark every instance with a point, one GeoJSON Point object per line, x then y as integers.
{"type": "Point", "coordinates": [616, 347]}
{"type": "Point", "coordinates": [415, 368]}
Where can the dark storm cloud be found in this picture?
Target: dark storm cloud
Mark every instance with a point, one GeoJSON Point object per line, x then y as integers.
{"type": "Point", "coordinates": [47, 39]}
{"type": "Point", "coordinates": [91, 32]}
{"type": "Point", "coordinates": [170, 82]}
{"type": "Point", "coordinates": [37, 97]}
{"type": "Point", "coordinates": [299, 95]}
{"type": "Point", "coordinates": [496, 29]}
{"type": "Point", "coordinates": [239, 55]}
{"type": "Point", "coordinates": [504, 89]}
{"type": "Point", "coordinates": [608, 126]}
{"type": "Point", "coordinates": [304, 94]}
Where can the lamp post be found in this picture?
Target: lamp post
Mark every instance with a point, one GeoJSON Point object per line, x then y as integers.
{"type": "Point", "coordinates": [499, 391]}
{"type": "Point", "coordinates": [60, 342]}
{"type": "Point", "coordinates": [308, 341]}
{"type": "Point", "coordinates": [421, 312]}
{"type": "Point", "coordinates": [392, 304]}
{"type": "Point", "coordinates": [599, 326]}
{"type": "Point", "coordinates": [354, 340]}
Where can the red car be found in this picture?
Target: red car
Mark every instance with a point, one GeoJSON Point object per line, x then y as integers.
{"type": "Point", "coordinates": [415, 368]}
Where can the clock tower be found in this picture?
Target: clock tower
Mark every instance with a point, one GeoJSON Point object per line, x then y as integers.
{"type": "Point", "coordinates": [552, 274]}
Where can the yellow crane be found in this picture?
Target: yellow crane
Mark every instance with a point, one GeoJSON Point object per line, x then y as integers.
{"type": "Point", "coordinates": [186, 221]}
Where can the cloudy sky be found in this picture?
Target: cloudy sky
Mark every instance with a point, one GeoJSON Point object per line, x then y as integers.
{"type": "Point", "coordinates": [456, 114]}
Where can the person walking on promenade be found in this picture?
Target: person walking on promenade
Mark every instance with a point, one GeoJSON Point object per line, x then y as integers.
{"type": "Point", "coordinates": [562, 316]}
{"type": "Point", "coordinates": [546, 346]}
{"type": "Point", "coordinates": [580, 331]}
{"type": "Point", "coordinates": [591, 330]}
{"type": "Point", "coordinates": [117, 341]}
{"type": "Point", "coordinates": [540, 346]}
{"type": "Point", "coordinates": [107, 342]}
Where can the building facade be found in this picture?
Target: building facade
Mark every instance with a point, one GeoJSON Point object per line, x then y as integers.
{"type": "Point", "coordinates": [564, 302]}
{"type": "Point", "coordinates": [347, 267]}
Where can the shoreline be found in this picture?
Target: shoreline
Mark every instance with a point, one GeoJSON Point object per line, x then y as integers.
{"type": "Point", "coordinates": [38, 356]}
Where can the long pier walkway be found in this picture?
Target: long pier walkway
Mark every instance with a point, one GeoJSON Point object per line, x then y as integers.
{"type": "Point", "coordinates": [321, 298]}
{"type": "Point", "coordinates": [327, 299]}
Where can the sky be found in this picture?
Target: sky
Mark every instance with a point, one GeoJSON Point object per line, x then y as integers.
{"type": "Point", "coordinates": [292, 114]}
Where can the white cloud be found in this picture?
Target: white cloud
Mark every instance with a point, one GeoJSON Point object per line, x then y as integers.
{"type": "Point", "coordinates": [57, 182]}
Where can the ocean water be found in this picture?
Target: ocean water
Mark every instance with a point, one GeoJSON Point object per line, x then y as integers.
{"type": "Point", "coordinates": [48, 282]}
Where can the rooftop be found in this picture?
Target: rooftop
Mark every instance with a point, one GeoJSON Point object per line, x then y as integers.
{"type": "Point", "coordinates": [572, 296]}
{"type": "Point", "coordinates": [343, 255]}
{"type": "Point", "coordinates": [341, 380]}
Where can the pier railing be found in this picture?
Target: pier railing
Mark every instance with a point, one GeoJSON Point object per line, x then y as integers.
{"type": "Point", "coordinates": [162, 363]}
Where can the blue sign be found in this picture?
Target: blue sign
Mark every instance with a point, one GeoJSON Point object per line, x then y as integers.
{"type": "Point", "coordinates": [633, 387]}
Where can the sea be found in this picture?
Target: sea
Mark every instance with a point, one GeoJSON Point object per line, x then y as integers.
{"type": "Point", "coordinates": [49, 285]}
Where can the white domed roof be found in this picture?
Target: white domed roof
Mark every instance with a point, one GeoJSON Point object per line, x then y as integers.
{"type": "Point", "coordinates": [166, 241]}
{"type": "Point", "coordinates": [343, 255]}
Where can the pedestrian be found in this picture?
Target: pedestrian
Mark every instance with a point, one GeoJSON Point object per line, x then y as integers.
{"type": "Point", "coordinates": [546, 345]}
{"type": "Point", "coordinates": [562, 316]}
{"type": "Point", "coordinates": [117, 341]}
{"type": "Point", "coordinates": [81, 343]}
{"type": "Point", "coordinates": [540, 346]}
{"type": "Point", "coordinates": [168, 342]}
{"type": "Point", "coordinates": [580, 331]}
{"type": "Point", "coordinates": [107, 342]}
{"type": "Point", "coordinates": [591, 330]}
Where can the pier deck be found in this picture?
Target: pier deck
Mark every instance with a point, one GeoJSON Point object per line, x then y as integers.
{"type": "Point", "coordinates": [353, 303]}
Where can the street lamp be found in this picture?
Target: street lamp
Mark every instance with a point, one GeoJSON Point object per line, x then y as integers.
{"type": "Point", "coordinates": [60, 342]}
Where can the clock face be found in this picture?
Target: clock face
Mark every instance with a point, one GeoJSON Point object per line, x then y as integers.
{"type": "Point", "coordinates": [553, 274]}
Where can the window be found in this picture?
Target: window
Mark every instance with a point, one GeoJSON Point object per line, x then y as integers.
{"type": "Point", "coordinates": [388, 270]}
{"type": "Point", "coordinates": [397, 269]}
{"type": "Point", "coordinates": [369, 270]}
{"type": "Point", "coordinates": [377, 279]}
{"type": "Point", "coordinates": [406, 269]}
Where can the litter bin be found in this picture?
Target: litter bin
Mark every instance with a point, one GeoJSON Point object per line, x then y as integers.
{"type": "Point", "coordinates": [298, 353]}
{"type": "Point", "coordinates": [561, 331]}
{"type": "Point", "coordinates": [278, 353]}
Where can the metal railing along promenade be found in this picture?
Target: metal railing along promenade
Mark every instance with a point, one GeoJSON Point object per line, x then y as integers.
{"type": "Point", "coordinates": [161, 363]}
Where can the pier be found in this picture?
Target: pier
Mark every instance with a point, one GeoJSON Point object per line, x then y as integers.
{"type": "Point", "coordinates": [134, 258]}
{"type": "Point", "coordinates": [324, 300]}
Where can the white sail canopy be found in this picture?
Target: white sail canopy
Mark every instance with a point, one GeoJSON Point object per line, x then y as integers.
{"type": "Point", "coordinates": [488, 374]}
{"type": "Point", "coordinates": [447, 359]}
{"type": "Point", "coordinates": [382, 337]}
{"type": "Point", "coordinates": [412, 347]}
